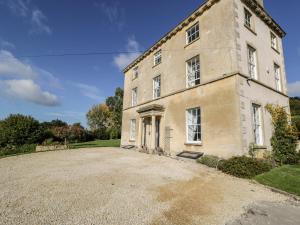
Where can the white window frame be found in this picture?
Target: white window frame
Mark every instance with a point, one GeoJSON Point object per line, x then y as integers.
{"type": "Point", "coordinates": [274, 41]}
{"type": "Point", "coordinates": [257, 125]}
{"type": "Point", "coordinates": [248, 18]}
{"type": "Point", "coordinates": [135, 72]}
{"type": "Point", "coordinates": [157, 58]}
{"type": "Point", "coordinates": [277, 73]}
{"type": "Point", "coordinates": [132, 130]}
{"type": "Point", "coordinates": [193, 125]}
{"type": "Point", "coordinates": [252, 62]}
{"type": "Point", "coordinates": [134, 93]}
{"type": "Point", "coordinates": [156, 87]}
{"type": "Point", "coordinates": [193, 33]}
{"type": "Point", "coordinates": [193, 73]}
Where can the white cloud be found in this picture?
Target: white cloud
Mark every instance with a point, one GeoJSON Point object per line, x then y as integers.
{"type": "Point", "coordinates": [12, 67]}
{"type": "Point", "coordinates": [6, 44]}
{"type": "Point", "coordinates": [124, 59]}
{"type": "Point", "coordinates": [30, 14]}
{"type": "Point", "coordinates": [294, 89]}
{"type": "Point", "coordinates": [19, 79]}
{"type": "Point", "coordinates": [113, 11]}
{"type": "Point", "coordinates": [89, 91]}
{"type": "Point", "coordinates": [18, 7]}
{"type": "Point", "coordinates": [38, 22]}
{"type": "Point", "coordinates": [66, 114]}
{"type": "Point", "coordinates": [48, 78]}
{"type": "Point", "coordinates": [29, 91]}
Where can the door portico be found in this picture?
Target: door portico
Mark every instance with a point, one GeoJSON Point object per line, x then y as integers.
{"type": "Point", "coordinates": [150, 127]}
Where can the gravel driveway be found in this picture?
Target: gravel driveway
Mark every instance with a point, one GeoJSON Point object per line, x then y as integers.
{"type": "Point", "coordinates": [111, 186]}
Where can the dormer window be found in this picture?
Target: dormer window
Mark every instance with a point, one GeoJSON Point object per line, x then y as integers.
{"type": "Point", "coordinates": [192, 34]}
{"type": "Point", "coordinates": [157, 58]}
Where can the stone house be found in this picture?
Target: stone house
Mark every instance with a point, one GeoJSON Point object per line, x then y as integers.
{"type": "Point", "coordinates": [203, 87]}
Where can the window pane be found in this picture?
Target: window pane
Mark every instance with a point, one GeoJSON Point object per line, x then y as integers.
{"type": "Point", "coordinates": [193, 72]}
{"type": "Point", "coordinates": [252, 62]}
{"type": "Point", "coordinates": [132, 129]}
{"type": "Point", "coordinates": [257, 125]}
{"type": "Point", "coordinates": [193, 33]}
{"type": "Point", "coordinates": [193, 125]}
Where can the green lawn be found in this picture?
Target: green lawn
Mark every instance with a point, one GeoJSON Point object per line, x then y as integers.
{"type": "Point", "coordinates": [286, 178]}
{"type": "Point", "coordinates": [97, 143]}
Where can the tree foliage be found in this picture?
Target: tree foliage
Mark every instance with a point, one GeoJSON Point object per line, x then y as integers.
{"type": "Point", "coordinates": [105, 119]}
{"type": "Point", "coordinates": [99, 120]}
{"type": "Point", "coordinates": [284, 139]}
{"type": "Point", "coordinates": [295, 112]}
{"type": "Point", "coordinates": [115, 105]}
{"type": "Point", "coordinates": [18, 130]}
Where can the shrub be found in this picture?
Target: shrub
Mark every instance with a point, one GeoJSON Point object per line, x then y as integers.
{"type": "Point", "coordinates": [11, 149]}
{"type": "Point", "coordinates": [284, 139]}
{"type": "Point", "coordinates": [17, 130]}
{"type": "Point", "coordinates": [244, 167]}
{"type": "Point", "coordinates": [209, 160]}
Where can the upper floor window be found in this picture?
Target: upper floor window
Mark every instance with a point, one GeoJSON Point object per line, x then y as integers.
{"type": "Point", "coordinates": [192, 33]}
{"type": "Point", "coordinates": [248, 18]}
{"type": "Point", "coordinates": [193, 71]}
{"type": "Point", "coordinates": [252, 62]}
{"type": "Point", "coordinates": [257, 124]}
{"type": "Point", "coordinates": [135, 72]}
{"type": "Point", "coordinates": [156, 87]}
{"type": "Point", "coordinates": [193, 125]}
{"type": "Point", "coordinates": [157, 58]}
{"type": "Point", "coordinates": [277, 77]}
{"type": "Point", "coordinates": [274, 43]}
{"type": "Point", "coordinates": [134, 96]}
{"type": "Point", "coordinates": [132, 129]}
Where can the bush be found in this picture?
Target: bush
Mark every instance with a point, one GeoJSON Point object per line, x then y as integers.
{"type": "Point", "coordinates": [244, 167]}
{"type": "Point", "coordinates": [209, 160]}
{"type": "Point", "coordinates": [284, 139]}
{"type": "Point", "coordinates": [17, 130]}
{"type": "Point", "coordinates": [11, 149]}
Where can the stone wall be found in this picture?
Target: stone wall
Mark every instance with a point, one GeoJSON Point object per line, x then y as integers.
{"type": "Point", "coordinates": [51, 148]}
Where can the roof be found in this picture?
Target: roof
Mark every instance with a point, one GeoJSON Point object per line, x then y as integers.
{"type": "Point", "coordinates": [253, 4]}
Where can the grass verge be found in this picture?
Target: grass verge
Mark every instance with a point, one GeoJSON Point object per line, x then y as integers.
{"type": "Point", "coordinates": [286, 178]}
{"type": "Point", "coordinates": [97, 143]}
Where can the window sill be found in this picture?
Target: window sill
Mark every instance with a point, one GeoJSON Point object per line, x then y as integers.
{"type": "Point", "coordinates": [193, 144]}
{"type": "Point", "coordinates": [131, 140]}
{"type": "Point", "coordinates": [156, 65]}
{"type": "Point", "coordinates": [275, 50]}
{"type": "Point", "coordinates": [188, 44]}
{"type": "Point", "coordinates": [156, 98]}
{"type": "Point", "coordinates": [250, 29]}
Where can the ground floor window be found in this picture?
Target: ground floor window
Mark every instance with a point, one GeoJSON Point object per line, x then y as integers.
{"type": "Point", "coordinates": [257, 124]}
{"type": "Point", "coordinates": [193, 125]}
{"type": "Point", "coordinates": [132, 129]}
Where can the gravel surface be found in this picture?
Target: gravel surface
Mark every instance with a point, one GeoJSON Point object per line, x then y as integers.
{"type": "Point", "coordinates": [111, 186]}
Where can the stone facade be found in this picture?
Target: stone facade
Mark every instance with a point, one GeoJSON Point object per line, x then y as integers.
{"type": "Point", "coordinates": [226, 91]}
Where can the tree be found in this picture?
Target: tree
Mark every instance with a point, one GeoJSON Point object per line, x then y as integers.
{"type": "Point", "coordinates": [77, 133]}
{"type": "Point", "coordinates": [295, 111]}
{"type": "Point", "coordinates": [18, 130]}
{"type": "Point", "coordinates": [99, 120]}
{"type": "Point", "coordinates": [284, 139]}
{"type": "Point", "coordinates": [115, 105]}
{"type": "Point", "coordinates": [53, 123]}
{"type": "Point", "coordinates": [61, 133]}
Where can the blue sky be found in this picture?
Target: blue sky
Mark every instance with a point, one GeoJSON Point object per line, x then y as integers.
{"type": "Point", "coordinates": [66, 87]}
